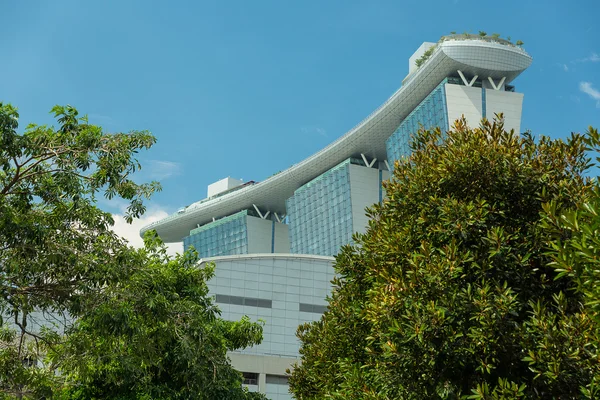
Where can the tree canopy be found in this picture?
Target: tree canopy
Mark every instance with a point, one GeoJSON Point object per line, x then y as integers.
{"type": "Point", "coordinates": [156, 335]}
{"type": "Point", "coordinates": [84, 315]}
{"type": "Point", "coordinates": [451, 293]}
{"type": "Point", "coordinates": [575, 248]}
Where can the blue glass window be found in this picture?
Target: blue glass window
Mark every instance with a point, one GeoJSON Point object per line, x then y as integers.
{"type": "Point", "coordinates": [320, 213]}
{"type": "Point", "coordinates": [430, 113]}
{"type": "Point", "coordinates": [223, 237]}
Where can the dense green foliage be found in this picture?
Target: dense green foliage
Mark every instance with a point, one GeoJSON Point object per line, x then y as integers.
{"type": "Point", "coordinates": [57, 248]}
{"type": "Point", "coordinates": [156, 335]}
{"type": "Point", "coordinates": [575, 254]}
{"type": "Point", "coordinates": [450, 292]}
{"type": "Point", "coordinates": [575, 250]}
{"type": "Point", "coordinates": [84, 314]}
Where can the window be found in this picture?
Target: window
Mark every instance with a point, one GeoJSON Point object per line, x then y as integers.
{"type": "Point", "coordinates": [430, 113]}
{"type": "Point", "coordinates": [250, 378]}
{"type": "Point", "coordinates": [243, 301]}
{"type": "Point", "coordinates": [225, 236]}
{"type": "Point", "coordinates": [319, 212]}
{"type": "Point", "coordinates": [277, 379]}
{"type": "Point", "coordinates": [312, 308]}
{"type": "Point", "coordinates": [29, 362]}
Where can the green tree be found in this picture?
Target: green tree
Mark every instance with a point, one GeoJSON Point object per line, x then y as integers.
{"type": "Point", "coordinates": [575, 254]}
{"type": "Point", "coordinates": [482, 34]}
{"type": "Point", "coordinates": [70, 288]}
{"type": "Point", "coordinates": [56, 246]}
{"type": "Point", "coordinates": [519, 43]}
{"type": "Point", "coordinates": [575, 248]}
{"type": "Point", "coordinates": [449, 294]}
{"type": "Point", "coordinates": [421, 60]}
{"type": "Point", "coordinates": [156, 335]}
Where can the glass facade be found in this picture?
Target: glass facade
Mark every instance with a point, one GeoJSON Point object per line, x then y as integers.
{"type": "Point", "coordinates": [223, 237]}
{"type": "Point", "coordinates": [320, 213]}
{"type": "Point", "coordinates": [430, 113]}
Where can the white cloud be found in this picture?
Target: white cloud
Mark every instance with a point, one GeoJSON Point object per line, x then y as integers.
{"type": "Point", "coordinates": [565, 68]}
{"type": "Point", "coordinates": [586, 87]}
{"type": "Point", "coordinates": [314, 129]}
{"type": "Point", "coordinates": [160, 170]}
{"type": "Point", "coordinates": [594, 57]}
{"type": "Point", "coordinates": [131, 232]}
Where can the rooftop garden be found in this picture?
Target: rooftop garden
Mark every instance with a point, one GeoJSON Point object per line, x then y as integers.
{"type": "Point", "coordinates": [494, 37]}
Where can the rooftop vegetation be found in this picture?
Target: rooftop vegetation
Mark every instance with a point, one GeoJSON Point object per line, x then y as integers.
{"type": "Point", "coordinates": [494, 37]}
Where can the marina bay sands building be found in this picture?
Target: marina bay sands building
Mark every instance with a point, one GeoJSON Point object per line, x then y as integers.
{"type": "Point", "coordinates": [273, 241]}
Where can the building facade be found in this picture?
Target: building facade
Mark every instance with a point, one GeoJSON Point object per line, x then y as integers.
{"type": "Point", "coordinates": [284, 291]}
{"type": "Point", "coordinates": [273, 242]}
{"type": "Point", "coordinates": [325, 212]}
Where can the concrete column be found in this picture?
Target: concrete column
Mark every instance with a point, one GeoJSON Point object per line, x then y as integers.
{"type": "Point", "coordinates": [262, 382]}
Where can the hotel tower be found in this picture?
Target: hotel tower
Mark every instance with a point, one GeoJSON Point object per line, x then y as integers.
{"type": "Point", "coordinates": [273, 241]}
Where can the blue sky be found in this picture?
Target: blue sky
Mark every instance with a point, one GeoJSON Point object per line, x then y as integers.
{"type": "Point", "coordinates": [245, 89]}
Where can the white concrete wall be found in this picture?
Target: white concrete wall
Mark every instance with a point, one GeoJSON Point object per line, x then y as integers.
{"type": "Point", "coordinates": [417, 54]}
{"type": "Point", "coordinates": [384, 177]}
{"type": "Point", "coordinates": [260, 236]}
{"type": "Point", "coordinates": [286, 280]}
{"type": "Point", "coordinates": [509, 103]}
{"type": "Point", "coordinates": [259, 233]}
{"type": "Point", "coordinates": [264, 365]}
{"type": "Point", "coordinates": [282, 238]}
{"type": "Point", "coordinates": [463, 100]}
{"type": "Point", "coordinates": [364, 191]}
{"type": "Point", "coordinates": [272, 365]}
{"type": "Point", "coordinates": [222, 185]}
{"type": "Point", "coordinates": [278, 391]}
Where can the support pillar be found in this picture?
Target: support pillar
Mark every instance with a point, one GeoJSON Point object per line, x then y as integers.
{"type": "Point", "coordinates": [279, 218]}
{"type": "Point", "coordinates": [262, 382]}
{"type": "Point", "coordinates": [367, 163]}
{"type": "Point", "coordinates": [261, 215]}
{"type": "Point", "coordinates": [465, 81]}
{"type": "Point", "coordinates": [499, 86]}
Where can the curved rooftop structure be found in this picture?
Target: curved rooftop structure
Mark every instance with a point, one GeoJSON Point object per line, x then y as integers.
{"type": "Point", "coordinates": [484, 57]}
